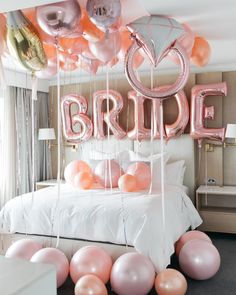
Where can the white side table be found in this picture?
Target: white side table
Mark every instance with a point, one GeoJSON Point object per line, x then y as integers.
{"type": "Point", "coordinates": [46, 183]}
{"type": "Point", "coordinates": [217, 207]}
{"type": "Point", "coordinates": [20, 277]}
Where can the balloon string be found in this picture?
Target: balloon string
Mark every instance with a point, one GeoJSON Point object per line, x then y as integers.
{"type": "Point", "coordinates": [152, 136]}
{"type": "Point", "coordinates": [162, 175]}
{"type": "Point", "coordinates": [3, 83]}
{"type": "Point", "coordinates": [108, 129]}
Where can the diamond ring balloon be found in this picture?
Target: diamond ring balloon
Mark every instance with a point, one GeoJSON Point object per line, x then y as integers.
{"type": "Point", "coordinates": [157, 36]}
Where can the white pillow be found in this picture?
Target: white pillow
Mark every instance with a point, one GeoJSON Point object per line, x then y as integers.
{"type": "Point", "coordinates": [175, 173]}
{"type": "Point", "coordinates": [137, 157]}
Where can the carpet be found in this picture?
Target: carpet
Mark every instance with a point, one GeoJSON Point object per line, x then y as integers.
{"type": "Point", "coordinates": [224, 283]}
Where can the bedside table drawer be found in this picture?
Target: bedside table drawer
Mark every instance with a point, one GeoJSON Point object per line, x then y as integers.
{"type": "Point", "coordinates": [218, 221]}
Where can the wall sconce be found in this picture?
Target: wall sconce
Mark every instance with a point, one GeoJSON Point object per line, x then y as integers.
{"type": "Point", "coordinates": [230, 133]}
{"type": "Point", "coordinates": [47, 134]}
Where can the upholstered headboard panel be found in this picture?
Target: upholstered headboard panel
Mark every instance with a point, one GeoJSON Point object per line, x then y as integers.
{"type": "Point", "coordinates": [179, 148]}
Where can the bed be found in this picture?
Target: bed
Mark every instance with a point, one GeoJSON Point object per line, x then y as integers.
{"type": "Point", "coordinates": [117, 221]}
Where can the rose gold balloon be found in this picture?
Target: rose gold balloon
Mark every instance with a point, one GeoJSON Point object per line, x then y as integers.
{"type": "Point", "coordinates": [127, 183]}
{"type": "Point", "coordinates": [23, 249]}
{"type": "Point", "coordinates": [142, 172]}
{"type": "Point", "coordinates": [201, 52]}
{"type": "Point", "coordinates": [74, 168]}
{"type": "Point", "coordinates": [107, 48]}
{"type": "Point", "coordinates": [107, 173]}
{"type": "Point", "coordinates": [139, 132]}
{"type": "Point", "coordinates": [186, 41]}
{"type": "Point", "coordinates": [177, 128]}
{"type": "Point", "coordinates": [190, 235]}
{"type": "Point", "coordinates": [55, 257]}
{"type": "Point", "coordinates": [197, 126]}
{"type": "Point", "coordinates": [111, 117]}
{"type": "Point", "coordinates": [90, 260]}
{"type": "Point", "coordinates": [90, 285]}
{"type": "Point", "coordinates": [126, 42]}
{"type": "Point", "coordinates": [59, 19]}
{"type": "Point", "coordinates": [170, 282]}
{"type": "Point", "coordinates": [69, 121]}
{"type": "Point", "coordinates": [83, 180]}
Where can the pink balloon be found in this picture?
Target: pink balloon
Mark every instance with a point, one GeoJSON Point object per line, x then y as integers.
{"type": "Point", "coordinates": [107, 173]}
{"type": "Point", "coordinates": [107, 48]}
{"type": "Point", "coordinates": [111, 117]}
{"type": "Point", "coordinates": [70, 121]}
{"type": "Point", "coordinates": [90, 260]}
{"type": "Point", "coordinates": [186, 41]}
{"type": "Point", "coordinates": [57, 258]}
{"type": "Point", "coordinates": [142, 172]}
{"type": "Point", "coordinates": [200, 260]}
{"type": "Point", "coordinates": [88, 64]}
{"type": "Point", "coordinates": [60, 19]}
{"type": "Point", "coordinates": [90, 285]}
{"type": "Point", "coordinates": [23, 249]}
{"type": "Point", "coordinates": [170, 282]}
{"type": "Point", "coordinates": [127, 183]}
{"type": "Point", "coordinates": [190, 235]}
{"type": "Point", "coordinates": [132, 274]}
{"type": "Point", "coordinates": [199, 112]}
{"type": "Point", "coordinates": [104, 13]}
{"type": "Point", "coordinates": [83, 180]}
{"type": "Point", "coordinates": [156, 35]}
{"type": "Point", "coordinates": [74, 168]}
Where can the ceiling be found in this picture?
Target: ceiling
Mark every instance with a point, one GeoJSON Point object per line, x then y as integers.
{"type": "Point", "coordinates": [214, 20]}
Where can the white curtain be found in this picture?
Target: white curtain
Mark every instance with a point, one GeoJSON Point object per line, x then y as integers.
{"type": "Point", "coordinates": [17, 142]}
{"type": "Point", "coordinates": [8, 148]}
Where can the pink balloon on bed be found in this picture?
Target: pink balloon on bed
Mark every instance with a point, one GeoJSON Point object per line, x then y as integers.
{"type": "Point", "coordinates": [83, 180]}
{"type": "Point", "coordinates": [90, 260]}
{"type": "Point", "coordinates": [142, 172]}
{"type": "Point", "coordinates": [127, 183]}
{"type": "Point", "coordinates": [107, 173]}
{"type": "Point", "coordinates": [23, 249]}
{"type": "Point", "coordinates": [74, 168]}
{"type": "Point", "coordinates": [57, 258]}
{"type": "Point", "coordinates": [189, 236]}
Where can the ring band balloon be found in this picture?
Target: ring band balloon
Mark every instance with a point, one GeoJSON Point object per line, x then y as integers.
{"type": "Point", "coordinates": [164, 93]}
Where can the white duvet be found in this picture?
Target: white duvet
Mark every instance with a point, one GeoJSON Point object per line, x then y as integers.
{"type": "Point", "coordinates": [100, 215]}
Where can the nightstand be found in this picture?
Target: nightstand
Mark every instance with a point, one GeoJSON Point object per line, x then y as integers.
{"type": "Point", "coordinates": [46, 183]}
{"type": "Point", "coordinates": [217, 207]}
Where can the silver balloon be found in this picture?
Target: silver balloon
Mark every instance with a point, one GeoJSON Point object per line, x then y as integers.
{"type": "Point", "coordinates": [104, 13]}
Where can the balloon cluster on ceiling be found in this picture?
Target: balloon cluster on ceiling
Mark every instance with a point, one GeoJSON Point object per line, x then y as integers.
{"type": "Point", "coordinates": [87, 38]}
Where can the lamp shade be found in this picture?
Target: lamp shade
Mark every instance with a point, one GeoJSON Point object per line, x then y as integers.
{"type": "Point", "coordinates": [46, 134]}
{"type": "Point", "coordinates": [230, 131]}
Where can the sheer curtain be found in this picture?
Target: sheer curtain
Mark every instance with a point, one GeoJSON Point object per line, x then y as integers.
{"type": "Point", "coordinates": [17, 142]}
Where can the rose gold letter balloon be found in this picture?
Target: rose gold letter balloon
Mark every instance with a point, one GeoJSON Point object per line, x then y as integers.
{"type": "Point", "coordinates": [199, 112]}
{"type": "Point", "coordinates": [110, 117]}
{"type": "Point", "coordinates": [139, 132]}
{"type": "Point", "coordinates": [177, 128]}
{"type": "Point", "coordinates": [69, 121]}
